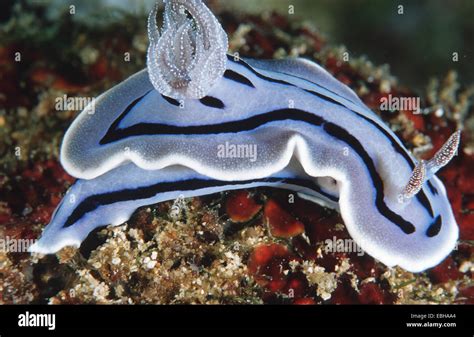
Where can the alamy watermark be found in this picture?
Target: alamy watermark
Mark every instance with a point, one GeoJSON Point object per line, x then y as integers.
{"type": "Point", "coordinates": [395, 103]}
{"type": "Point", "coordinates": [230, 150]}
{"type": "Point", "coordinates": [66, 103]}
{"type": "Point", "coordinates": [37, 320]}
{"type": "Point", "coordinates": [12, 245]}
{"type": "Point", "coordinates": [336, 245]}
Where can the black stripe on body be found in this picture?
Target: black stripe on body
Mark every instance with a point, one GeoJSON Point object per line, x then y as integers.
{"type": "Point", "coordinates": [116, 123]}
{"type": "Point", "coordinates": [433, 189]}
{"type": "Point", "coordinates": [212, 102]}
{"type": "Point", "coordinates": [236, 77]}
{"type": "Point", "coordinates": [421, 196]}
{"type": "Point", "coordinates": [254, 122]}
{"type": "Point", "coordinates": [95, 201]}
{"type": "Point", "coordinates": [251, 123]}
{"type": "Point", "coordinates": [435, 227]}
{"type": "Point", "coordinates": [248, 66]}
{"type": "Point", "coordinates": [171, 100]}
{"type": "Point", "coordinates": [341, 134]}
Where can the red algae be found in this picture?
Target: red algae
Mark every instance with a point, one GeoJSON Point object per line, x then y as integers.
{"type": "Point", "coordinates": [466, 296]}
{"type": "Point", "coordinates": [371, 293]}
{"type": "Point", "coordinates": [459, 182]}
{"type": "Point", "coordinates": [280, 222]}
{"type": "Point", "coordinates": [240, 206]}
{"type": "Point", "coordinates": [297, 285]}
{"type": "Point", "coordinates": [267, 264]}
{"type": "Point", "coordinates": [447, 270]}
{"type": "Point", "coordinates": [344, 293]}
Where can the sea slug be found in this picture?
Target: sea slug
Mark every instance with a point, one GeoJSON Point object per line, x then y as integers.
{"type": "Point", "coordinates": [161, 134]}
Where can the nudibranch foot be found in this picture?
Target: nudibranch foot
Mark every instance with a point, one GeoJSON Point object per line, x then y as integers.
{"type": "Point", "coordinates": [110, 199]}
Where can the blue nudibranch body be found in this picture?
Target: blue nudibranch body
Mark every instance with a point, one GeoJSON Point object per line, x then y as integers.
{"type": "Point", "coordinates": [286, 124]}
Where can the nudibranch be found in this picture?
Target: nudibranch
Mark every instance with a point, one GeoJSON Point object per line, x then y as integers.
{"type": "Point", "coordinates": [188, 127]}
